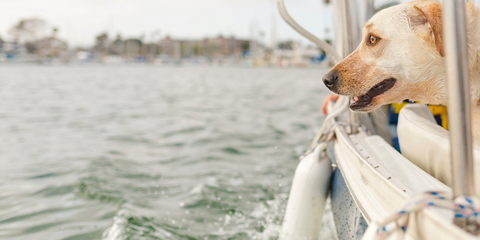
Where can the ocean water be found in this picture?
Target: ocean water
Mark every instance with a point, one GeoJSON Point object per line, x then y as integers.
{"type": "Point", "coordinates": [138, 152]}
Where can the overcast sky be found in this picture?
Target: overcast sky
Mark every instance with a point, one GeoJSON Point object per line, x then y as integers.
{"type": "Point", "coordinates": [79, 21]}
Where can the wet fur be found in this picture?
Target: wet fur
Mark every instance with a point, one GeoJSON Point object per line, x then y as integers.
{"type": "Point", "coordinates": [410, 50]}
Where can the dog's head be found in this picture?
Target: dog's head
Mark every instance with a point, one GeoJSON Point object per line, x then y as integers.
{"type": "Point", "coordinates": [400, 57]}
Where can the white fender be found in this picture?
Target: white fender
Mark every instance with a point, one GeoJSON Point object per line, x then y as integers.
{"type": "Point", "coordinates": [308, 196]}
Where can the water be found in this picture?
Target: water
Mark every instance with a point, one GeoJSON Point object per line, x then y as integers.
{"type": "Point", "coordinates": [98, 152]}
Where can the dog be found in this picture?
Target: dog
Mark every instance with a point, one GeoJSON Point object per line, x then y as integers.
{"type": "Point", "coordinates": [401, 57]}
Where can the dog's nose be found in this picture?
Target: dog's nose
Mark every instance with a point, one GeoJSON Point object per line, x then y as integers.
{"type": "Point", "coordinates": [330, 79]}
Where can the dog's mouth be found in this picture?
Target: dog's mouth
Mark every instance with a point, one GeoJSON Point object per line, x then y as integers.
{"type": "Point", "coordinates": [360, 102]}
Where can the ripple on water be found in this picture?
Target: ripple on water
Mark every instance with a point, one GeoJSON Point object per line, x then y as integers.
{"type": "Point", "coordinates": [128, 226]}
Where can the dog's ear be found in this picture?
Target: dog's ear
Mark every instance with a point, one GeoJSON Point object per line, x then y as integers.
{"type": "Point", "coordinates": [429, 14]}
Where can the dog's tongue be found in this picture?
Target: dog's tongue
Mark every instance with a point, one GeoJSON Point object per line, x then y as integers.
{"type": "Point", "coordinates": [362, 99]}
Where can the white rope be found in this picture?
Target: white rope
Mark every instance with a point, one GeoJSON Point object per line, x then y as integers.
{"type": "Point", "coordinates": [320, 136]}
{"type": "Point", "coordinates": [343, 101]}
{"type": "Point", "coordinates": [464, 207]}
{"type": "Point", "coordinates": [325, 137]}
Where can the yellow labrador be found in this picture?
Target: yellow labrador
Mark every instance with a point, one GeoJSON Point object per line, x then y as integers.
{"type": "Point", "coordinates": [401, 57]}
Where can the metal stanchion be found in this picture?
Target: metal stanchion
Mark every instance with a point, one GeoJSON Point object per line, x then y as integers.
{"type": "Point", "coordinates": [345, 45]}
{"type": "Point", "coordinates": [459, 113]}
{"type": "Point", "coordinates": [348, 37]}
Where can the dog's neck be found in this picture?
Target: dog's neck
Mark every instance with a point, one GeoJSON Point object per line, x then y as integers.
{"type": "Point", "coordinates": [432, 91]}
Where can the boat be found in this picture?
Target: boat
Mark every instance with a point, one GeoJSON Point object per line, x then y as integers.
{"type": "Point", "coordinates": [427, 191]}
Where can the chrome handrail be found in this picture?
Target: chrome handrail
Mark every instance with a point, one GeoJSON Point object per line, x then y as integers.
{"type": "Point", "coordinates": [320, 43]}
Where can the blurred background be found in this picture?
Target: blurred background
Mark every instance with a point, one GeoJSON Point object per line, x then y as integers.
{"type": "Point", "coordinates": [238, 32]}
{"type": "Point", "coordinates": [171, 119]}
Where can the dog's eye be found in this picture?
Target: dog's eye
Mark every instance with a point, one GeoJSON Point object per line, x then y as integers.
{"type": "Point", "coordinates": [372, 40]}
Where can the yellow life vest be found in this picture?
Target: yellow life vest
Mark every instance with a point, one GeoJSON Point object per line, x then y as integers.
{"type": "Point", "coordinates": [437, 111]}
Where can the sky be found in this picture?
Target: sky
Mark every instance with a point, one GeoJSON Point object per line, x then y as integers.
{"type": "Point", "coordinates": [79, 21]}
